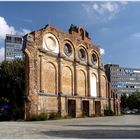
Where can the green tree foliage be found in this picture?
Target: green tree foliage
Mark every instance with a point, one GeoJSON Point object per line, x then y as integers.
{"type": "Point", "coordinates": [134, 101]}
{"type": "Point", "coordinates": [12, 83]}
{"type": "Point", "coordinates": [108, 112]}
{"type": "Point", "coordinates": [124, 101]}
{"type": "Point", "coordinates": [131, 102]}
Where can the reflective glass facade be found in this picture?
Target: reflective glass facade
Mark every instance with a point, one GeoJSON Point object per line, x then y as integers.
{"type": "Point", "coordinates": [13, 47]}
{"type": "Point", "coordinates": [123, 80]}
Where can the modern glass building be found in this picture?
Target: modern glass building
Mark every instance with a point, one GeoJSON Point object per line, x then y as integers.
{"type": "Point", "coordinates": [13, 47]}
{"type": "Point", "coordinates": [123, 80]}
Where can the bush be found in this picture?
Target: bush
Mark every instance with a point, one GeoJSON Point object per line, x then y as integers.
{"type": "Point", "coordinates": [51, 116]}
{"type": "Point", "coordinates": [54, 116]}
{"type": "Point", "coordinates": [108, 112]}
{"type": "Point", "coordinates": [66, 117]}
{"type": "Point", "coordinates": [41, 117]}
{"type": "Point", "coordinates": [84, 114]}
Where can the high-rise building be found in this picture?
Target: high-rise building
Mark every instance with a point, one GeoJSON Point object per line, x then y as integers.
{"type": "Point", "coordinates": [13, 47]}
{"type": "Point", "coordinates": [123, 80]}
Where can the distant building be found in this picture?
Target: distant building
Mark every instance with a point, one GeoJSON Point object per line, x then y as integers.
{"type": "Point", "coordinates": [123, 80]}
{"type": "Point", "coordinates": [13, 47]}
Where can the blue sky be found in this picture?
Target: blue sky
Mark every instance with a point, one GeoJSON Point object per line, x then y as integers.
{"type": "Point", "coordinates": [114, 26]}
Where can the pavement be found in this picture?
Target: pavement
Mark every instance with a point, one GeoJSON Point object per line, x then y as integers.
{"type": "Point", "coordinates": [126, 126]}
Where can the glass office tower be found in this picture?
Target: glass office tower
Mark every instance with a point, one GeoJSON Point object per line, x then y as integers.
{"type": "Point", "coordinates": [123, 80]}
{"type": "Point", "coordinates": [13, 47]}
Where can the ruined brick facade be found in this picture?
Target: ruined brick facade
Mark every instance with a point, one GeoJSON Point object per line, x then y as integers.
{"type": "Point", "coordinates": [64, 73]}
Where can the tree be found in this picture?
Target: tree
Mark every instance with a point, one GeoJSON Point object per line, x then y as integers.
{"type": "Point", "coordinates": [124, 101]}
{"type": "Point", "coordinates": [12, 83]}
{"type": "Point", "coordinates": [134, 101]}
{"type": "Point", "coordinates": [131, 102]}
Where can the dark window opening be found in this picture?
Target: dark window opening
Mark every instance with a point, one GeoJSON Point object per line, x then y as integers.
{"type": "Point", "coordinates": [82, 54]}
{"type": "Point", "coordinates": [8, 39]}
{"type": "Point", "coordinates": [94, 59]}
{"type": "Point", "coordinates": [67, 49]}
{"type": "Point", "coordinates": [82, 34]}
{"type": "Point", "coordinates": [18, 40]}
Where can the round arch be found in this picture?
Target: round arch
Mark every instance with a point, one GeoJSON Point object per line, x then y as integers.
{"type": "Point", "coordinates": [81, 83]}
{"type": "Point", "coordinates": [96, 54]}
{"type": "Point", "coordinates": [93, 85]}
{"type": "Point", "coordinates": [67, 41]}
{"type": "Point", "coordinates": [81, 46]}
{"type": "Point", "coordinates": [50, 42]}
{"type": "Point", "coordinates": [103, 86]}
{"type": "Point", "coordinates": [82, 33]}
{"type": "Point", "coordinates": [67, 81]}
{"type": "Point", "coordinates": [49, 78]}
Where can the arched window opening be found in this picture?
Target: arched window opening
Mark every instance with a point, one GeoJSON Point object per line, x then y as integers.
{"type": "Point", "coordinates": [67, 49]}
{"type": "Point", "coordinates": [82, 34]}
{"type": "Point", "coordinates": [82, 54]}
{"type": "Point", "coordinates": [94, 59]}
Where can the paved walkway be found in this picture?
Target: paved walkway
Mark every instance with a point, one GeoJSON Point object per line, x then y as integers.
{"type": "Point", "coordinates": [127, 126]}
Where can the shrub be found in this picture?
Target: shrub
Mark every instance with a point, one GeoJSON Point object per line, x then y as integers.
{"type": "Point", "coordinates": [84, 114]}
{"type": "Point", "coordinates": [108, 112]}
{"type": "Point", "coordinates": [51, 116]}
{"type": "Point", "coordinates": [41, 117]}
{"type": "Point", "coordinates": [66, 117]}
{"type": "Point", "coordinates": [54, 116]}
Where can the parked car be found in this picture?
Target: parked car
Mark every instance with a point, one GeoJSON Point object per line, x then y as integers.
{"type": "Point", "coordinates": [134, 111]}
{"type": "Point", "coordinates": [128, 112]}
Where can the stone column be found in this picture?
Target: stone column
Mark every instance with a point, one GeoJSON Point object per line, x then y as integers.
{"type": "Point", "coordinates": [78, 107]}
{"type": "Point", "coordinates": [75, 78]}
{"type": "Point", "coordinates": [99, 83]}
{"type": "Point", "coordinates": [88, 82]}
{"type": "Point", "coordinates": [41, 88]}
{"type": "Point", "coordinates": [60, 76]}
{"type": "Point", "coordinates": [60, 85]}
{"type": "Point", "coordinates": [91, 108]}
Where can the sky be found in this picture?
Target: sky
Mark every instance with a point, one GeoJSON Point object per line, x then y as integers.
{"type": "Point", "coordinates": [113, 26]}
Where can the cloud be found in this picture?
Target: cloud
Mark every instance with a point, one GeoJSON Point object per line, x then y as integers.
{"type": "Point", "coordinates": [23, 31]}
{"type": "Point", "coordinates": [102, 51]}
{"type": "Point", "coordinates": [136, 35]}
{"type": "Point", "coordinates": [1, 54]}
{"type": "Point", "coordinates": [7, 29]}
{"type": "Point", "coordinates": [26, 20]}
{"type": "Point", "coordinates": [103, 11]}
{"type": "Point", "coordinates": [124, 2]}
